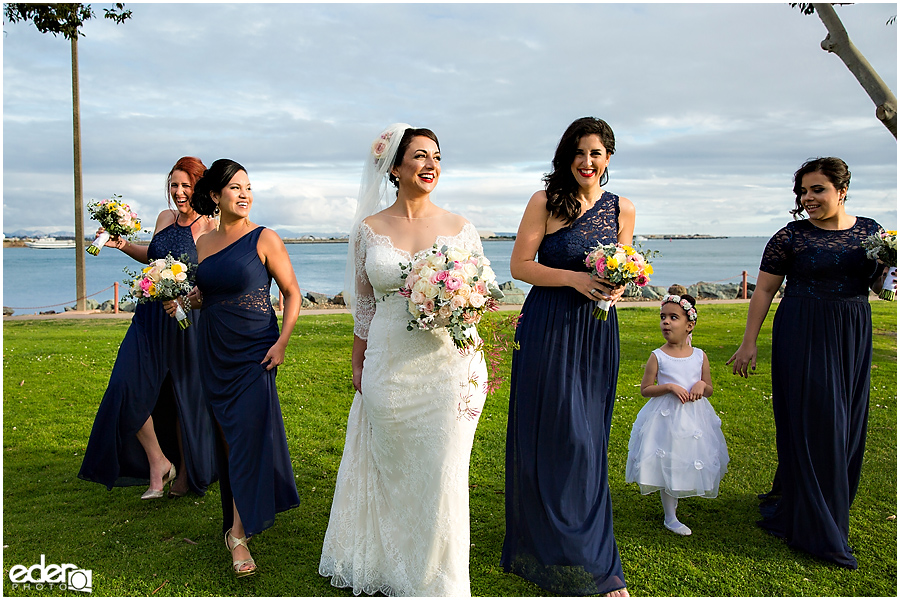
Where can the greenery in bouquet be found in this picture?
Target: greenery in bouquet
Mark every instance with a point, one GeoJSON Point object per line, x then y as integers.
{"type": "Point", "coordinates": [883, 247]}
{"type": "Point", "coordinates": [619, 264]}
{"type": "Point", "coordinates": [116, 218]}
{"type": "Point", "coordinates": [163, 279]}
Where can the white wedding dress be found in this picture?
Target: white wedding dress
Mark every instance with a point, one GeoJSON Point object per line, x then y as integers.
{"type": "Point", "coordinates": [399, 520]}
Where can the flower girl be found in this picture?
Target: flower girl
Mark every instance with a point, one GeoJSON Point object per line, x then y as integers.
{"type": "Point", "coordinates": [676, 445]}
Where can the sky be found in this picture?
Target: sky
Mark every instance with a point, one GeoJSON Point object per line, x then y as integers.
{"type": "Point", "coordinates": [714, 106]}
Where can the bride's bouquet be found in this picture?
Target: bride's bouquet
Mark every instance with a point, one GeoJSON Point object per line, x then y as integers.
{"type": "Point", "coordinates": [619, 264]}
{"type": "Point", "coordinates": [883, 246]}
{"type": "Point", "coordinates": [449, 287]}
{"type": "Point", "coordinates": [115, 217]}
{"type": "Point", "coordinates": [163, 279]}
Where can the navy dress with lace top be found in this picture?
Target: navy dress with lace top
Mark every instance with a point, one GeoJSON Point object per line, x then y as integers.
{"type": "Point", "coordinates": [156, 372]}
{"type": "Point", "coordinates": [559, 530]}
{"type": "Point", "coordinates": [237, 326]}
{"type": "Point", "coordinates": [821, 360]}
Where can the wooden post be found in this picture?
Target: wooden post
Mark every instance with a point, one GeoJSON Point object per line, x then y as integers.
{"type": "Point", "coordinates": [116, 298]}
{"type": "Point", "coordinates": [80, 276]}
{"type": "Point", "coordinates": [744, 285]}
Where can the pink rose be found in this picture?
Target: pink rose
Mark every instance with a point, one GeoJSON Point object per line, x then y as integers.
{"type": "Point", "coordinates": [438, 277]}
{"type": "Point", "coordinates": [145, 285]}
{"type": "Point", "coordinates": [600, 265]}
{"type": "Point", "coordinates": [481, 288]}
{"type": "Point", "coordinates": [457, 302]}
{"type": "Point", "coordinates": [417, 297]}
{"type": "Point", "coordinates": [411, 280]}
{"type": "Point", "coordinates": [454, 282]}
{"type": "Point", "coordinates": [428, 306]}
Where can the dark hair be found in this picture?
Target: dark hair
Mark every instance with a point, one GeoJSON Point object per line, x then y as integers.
{"type": "Point", "coordinates": [831, 167]}
{"type": "Point", "coordinates": [214, 179]}
{"type": "Point", "coordinates": [559, 183]}
{"type": "Point", "coordinates": [192, 166]}
{"type": "Point", "coordinates": [405, 141]}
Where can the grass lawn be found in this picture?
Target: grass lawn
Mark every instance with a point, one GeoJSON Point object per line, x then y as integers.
{"type": "Point", "coordinates": [55, 372]}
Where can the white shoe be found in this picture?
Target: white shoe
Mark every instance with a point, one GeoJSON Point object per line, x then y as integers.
{"type": "Point", "coordinates": [678, 527]}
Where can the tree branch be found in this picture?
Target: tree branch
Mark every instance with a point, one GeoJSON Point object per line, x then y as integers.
{"type": "Point", "coordinates": [838, 42]}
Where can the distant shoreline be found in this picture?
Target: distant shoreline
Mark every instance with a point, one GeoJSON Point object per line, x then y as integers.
{"type": "Point", "coordinates": [20, 243]}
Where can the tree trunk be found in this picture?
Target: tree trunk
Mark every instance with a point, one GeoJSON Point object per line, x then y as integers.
{"type": "Point", "coordinates": [80, 277]}
{"type": "Point", "coordinates": [838, 42]}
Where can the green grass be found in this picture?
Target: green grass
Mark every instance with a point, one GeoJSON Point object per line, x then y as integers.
{"type": "Point", "coordinates": [55, 373]}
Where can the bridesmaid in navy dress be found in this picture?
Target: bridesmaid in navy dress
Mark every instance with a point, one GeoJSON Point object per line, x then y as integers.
{"type": "Point", "coordinates": [821, 360]}
{"type": "Point", "coordinates": [153, 411]}
{"type": "Point", "coordinates": [559, 531]}
{"type": "Point", "coordinates": [240, 350]}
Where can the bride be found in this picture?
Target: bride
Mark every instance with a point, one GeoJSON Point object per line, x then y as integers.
{"type": "Point", "coordinates": [399, 520]}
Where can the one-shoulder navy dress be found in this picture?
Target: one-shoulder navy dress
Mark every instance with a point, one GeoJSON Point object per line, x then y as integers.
{"type": "Point", "coordinates": [156, 372]}
{"type": "Point", "coordinates": [821, 361]}
{"type": "Point", "coordinates": [237, 326]}
{"type": "Point", "coordinates": [559, 530]}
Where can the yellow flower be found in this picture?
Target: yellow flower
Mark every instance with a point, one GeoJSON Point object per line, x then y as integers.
{"type": "Point", "coordinates": [892, 233]}
{"type": "Point", "coordinates": [628, 250]}
{"type": "Point", "coordinates": [177, 268]}
{"type": "Point", "coordinates": [611, 263]}
{"type": "Point", "coordinates": [152, 289]}
{"type": "Point", "coordinates": [648, 269]}
{"type": "Point", "coordinates": [631, 268]}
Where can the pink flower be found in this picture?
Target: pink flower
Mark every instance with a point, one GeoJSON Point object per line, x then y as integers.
{"type": "Point", "coordinates": [438, 277]}
{"type": "Point", "coordinates": [471, 318]}
{"type": "Point", "coordinates": [481, 288]}
{"type": "Point", "coordinates": [417, 297]}
{"type": "Point", "coordinates": [428, 306]}
{"type": "Point", "coordinates": [145, 285]}
{"type": "Point", "coordinates": [454, 282]}
{"type": "Point", "coordinates": [457, 302]}
{"type": "Point", "coordinates": [600, 265]}
{"type": "Point", "coordinates": [641, 280]}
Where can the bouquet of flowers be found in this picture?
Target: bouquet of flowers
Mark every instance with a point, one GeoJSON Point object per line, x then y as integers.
{"type": "Point", "coordinates": [883, 246]}
{"type": "Point", "coordinates": [449, 287]}
{"type": "Point", "coordinates": [619, 264]}
{"type": "Point", "coordinates": [163, 279]}
{"type": "Point", "coordinates": [117, 219]}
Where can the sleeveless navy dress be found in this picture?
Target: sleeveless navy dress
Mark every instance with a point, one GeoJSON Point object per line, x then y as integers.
{"type": "Point", "coordinates": [237, 326]}
{"type": "Point", "coordinates": [156, 372]}
{"type": "Point", "coordinates": [821, 361]}
{"type": "Point", "coordinates": [559, 530]}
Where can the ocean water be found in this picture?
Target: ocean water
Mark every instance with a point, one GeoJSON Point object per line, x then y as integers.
{"type": "Point", "coordinates": [41, 280]}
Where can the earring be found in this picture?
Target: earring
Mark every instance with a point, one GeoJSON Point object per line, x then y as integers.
{"type": "Point", "coordinates": [216, 211]}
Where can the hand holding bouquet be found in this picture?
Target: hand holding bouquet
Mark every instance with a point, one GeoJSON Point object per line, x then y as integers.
{"type": "Point", "coordinates": [618, 264]}
{"type": "Point", "coordinates": [115, 217]}
{"type": "Point", "coordinates": [163, 279]}
{"type": "Point", "coordinates": [883, 247]}
{"type": "Point", "coordinates": [449, 287]}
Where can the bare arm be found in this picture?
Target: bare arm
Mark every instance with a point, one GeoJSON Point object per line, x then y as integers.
{"type": "Point", "coordinates": [704, 387]}
{"type": "Point", "coordinates": [522, 263]}
{"type": "Point", "coordinates": [744, 358]}
{"type": "Point", "coordinates": [275, 256]}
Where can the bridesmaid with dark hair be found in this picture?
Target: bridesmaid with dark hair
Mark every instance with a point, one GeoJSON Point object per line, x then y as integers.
{"type": "Point", "coordinates": [559, 530]}
{"type": "Point", "coordinates": [153, 412]}
{"type": "Point", "coordinates": [241, 348]}
{"type": "Point", "coordinates": [821, 360]}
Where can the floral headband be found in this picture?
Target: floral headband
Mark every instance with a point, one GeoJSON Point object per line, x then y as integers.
{"type": "Point", "coordinates": [683, 303]}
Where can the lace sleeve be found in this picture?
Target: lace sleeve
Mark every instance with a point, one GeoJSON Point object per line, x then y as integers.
{"type": "Point", "coordinates": [777, 255]}
{"type": "Point", "coordinates": [364, 308]}
{"type": "Point", "coordinates": [470, 239]}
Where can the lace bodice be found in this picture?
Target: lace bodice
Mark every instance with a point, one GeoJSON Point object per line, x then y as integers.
{"type": "Point", "coordinates": [175, 240]}
{"type": "Point", "coordinates": [821, 263]}
{"type": "Point", "coordinates": [236, 277]}
{"type": "Point", "coordinates": [378, 270]}
{"type": "Point", "coordinates": [567, 247]}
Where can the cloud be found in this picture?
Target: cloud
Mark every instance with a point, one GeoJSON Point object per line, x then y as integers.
{"type": "Point", "coordinates": [714, 105]}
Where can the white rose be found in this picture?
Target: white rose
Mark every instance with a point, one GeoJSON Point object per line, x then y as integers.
{"type": "Point", "coordinates": [420, 285]}
{"type": "Point", "coordinates": [464, 291]}
{"type": "Point", "coordinates": [431, 291]}
{"type": "Point", "coordinates": [446, 294]}
{"type": "Point", "coordinates": [417, 297]}
{"type": "Point", "coordinates": [159, 263]}
{"type": "Point", "coordinates": [457, 254]}
{"type": "Point", "coordinates": [445, 311]}
{"type": "Point", "coordinates": [167, 274]}
{"type": "Point", "coordinates": [436, 261]}
{"type": "Point", "coordinates": [426, 272]}
{"type": "Point", "coordinates": [487, 274]}
{"type": "Point", "coordinates": [180, 276]}
{"type": "Point", "coordinates": [476, 300]}
{"type": "Point", "coordinates": [457, 302]}
{"type": "Point", "coordinates": [470, 270]}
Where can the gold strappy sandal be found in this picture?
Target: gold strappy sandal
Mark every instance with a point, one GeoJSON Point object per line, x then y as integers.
{"type": "Point", "coordinates": [231, 543]}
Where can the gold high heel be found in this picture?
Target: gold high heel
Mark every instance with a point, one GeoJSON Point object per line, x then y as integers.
{"type": "Point", "coordinates": [152, 494]}
{"type": "Point", "coordinates": [237, 564]}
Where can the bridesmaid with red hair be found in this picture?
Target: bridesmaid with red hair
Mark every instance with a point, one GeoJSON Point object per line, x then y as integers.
{"type": "Point", "coordinates": [153, 414]}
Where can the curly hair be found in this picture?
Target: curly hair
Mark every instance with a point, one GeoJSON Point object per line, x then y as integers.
{"type": "Point", "coordinates": [559, 183]}
{"type": "Point", "coordinates": [214, 179]}
{"type": "Point", "coordinates": [405, 141]}
{"type": "Point", "coordinates": [832, 167]}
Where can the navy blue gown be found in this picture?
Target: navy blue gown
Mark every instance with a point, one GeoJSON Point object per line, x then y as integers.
{"type": "Point", "coordinates": [156, 372]}
{"type": "Point", "coordinates": [237, 326]}
{"type": "Point", "coordinates": [559, 530]}
{"type": "Point", "coordinates": [821, 361]}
